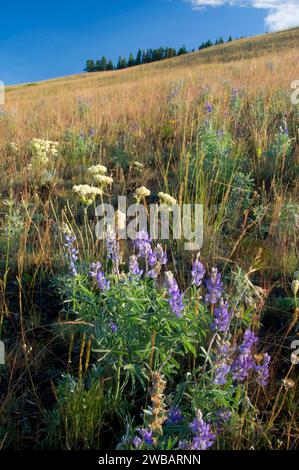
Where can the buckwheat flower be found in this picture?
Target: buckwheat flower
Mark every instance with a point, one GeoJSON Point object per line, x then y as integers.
{"type": "Point", "coordinates": [198, 271]}
{"type": "Point", "coordinates": [167, 200]}
{"type": "Point", "coordinates": [137, 442]}
{"type": "Point", "coordinates": [97, 170]}
{"type": "Point", "coordinates": [99, 275]}
{"type": "Point", "coordinates": [102, 179]}
{"type": "Point", "coordinates": [262, 371]}
{"type": "Point", "coordinates": [175, 416]}
{"type": "Point", "coordinates": [222, 370]}
{"type": "Point", "coordinates": [134, 266]}
{"type": "Point", "coordinates": [141, 193]}
{"type": "Point", "coordinates": [176, 297]}
{"type": "Point", "coordinates": [222, 317]}
{"type": "Point", "coordinates": [138, 165]}
{"type": "Point", "coordinates": [87, 193]}
{"type": "Point", "coordinates": [214, 287]}
{"type": "Point", "coordinates": [146, 436]}
{"type": "Point", "coordinates": [250, 339]}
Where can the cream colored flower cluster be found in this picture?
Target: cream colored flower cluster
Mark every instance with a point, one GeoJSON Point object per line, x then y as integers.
{"type": "Point", "coordinates": [42, 150]}
{"type": "Point", "coordinates": [98, 173]}
{"type": "Point", "coordinates": [86, 193]}
{"type": "Point", "coordinates": [141, 193]}
{"type": "Point", "coordinates": [167, 200]}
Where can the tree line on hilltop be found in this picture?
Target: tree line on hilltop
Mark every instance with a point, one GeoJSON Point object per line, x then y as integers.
{"type": "Point", "coordinates": [146, 57]}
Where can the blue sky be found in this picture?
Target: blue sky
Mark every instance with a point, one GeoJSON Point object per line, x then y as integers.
{"type": "Point", "coordinates": [45, 39]}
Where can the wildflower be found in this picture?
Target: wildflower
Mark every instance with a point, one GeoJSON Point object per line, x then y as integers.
{"type": "Point", "coordinates": [97, 170]}
{"type": "Point", "coordinates": [241, 367]}
{"type": "Point", "coordinates": [120, 219]}
{"type": "Point", "coordinates": [14, 147]}
{"type": "Point", "coordinates": [146, 436]}
{"type": "Point", "coordinates": [224, 415]}
{"type": "Point", "coordinates": [176, 297]}
{"type": "Point", "coordinates": [141, 193]}
{"type": "Point", "coordinates": [91, 132]}
{"type": "Point", "coordinates": [175, 416]}
{"type": "Point", "coordinates": [288, 383]}
{"type": "Point", "coordinates": [95, 271]}
{"type": "Point", "coordinates": [137, 442]}
{"type": "Point", "coordinates": [113, 327]}
{"type": "Point", "coordinates": [166, 200]}
{"type": "Point", "coordinates": [142, 243]}
{"type": "Point", "coordinates": [214, 287]}
{"type": "Point", "coordinates": [134, 267]}
{"type": "Point", "coordinates": [208, 107]}
{"type": "Point", "coordinates": [250, 339]}
{"type": "Point", "coordinates": [221, 372]}
{"type": "Point", "coordinates": [204, 437]}
{"type": "Point", "coordinates": [87, 193]}
{"type": "Point", "coordinates": [102, 179]}
{"type": "Point", "coordinates": [263, 371]}
{"type": "Point", "coordinates": [71, 252]}
{"type": "Point", "coordinates": [152, 273]}
{"type": "Point", "coordinates": [222, 317]}
{"type": "Point", "coordinates": [157, 411]}
{"type": "Point", "coordinates": [161, 255]}
{"type": "Point", "coordinates": [113, 250]}
{"type": "Point", "coordinates": [198, 271]}
{"type": "Point", "coordinates": [138, 165]}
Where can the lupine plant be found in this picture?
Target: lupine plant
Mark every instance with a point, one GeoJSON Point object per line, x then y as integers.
{"type": "Point", "coordinates": [188, 352]}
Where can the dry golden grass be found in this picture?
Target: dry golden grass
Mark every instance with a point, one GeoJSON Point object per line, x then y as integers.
{"type": "Point", "coordinates": [134, 98]}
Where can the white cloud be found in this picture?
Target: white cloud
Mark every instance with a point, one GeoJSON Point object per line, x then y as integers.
{"type": "Point", "coordinates": [281, 14]}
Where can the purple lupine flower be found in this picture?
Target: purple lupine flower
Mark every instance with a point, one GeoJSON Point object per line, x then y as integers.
{"type": "Point", "coordinates": [224, 415]}
{"type": "Point", "coordinates": [204, 437]}
{"type": "Point", "coordinates": [263, 371]}
{"type": "Point", "coordinates": [214, 287]}
{"type": "Point", "coordinates": [113, 327]}
{"type": "Point", "coordinates": [175, 416]}
{"type": "Point", "coordinates": [137, 442]}
{"type": "Point", "coordinates": [71, 252]}
{"type": "Point", "coordinates": [221, 372]}
{"type": "Point", "coordinates": [146, 436]}
{"type": "Point", "coordinates": [198, 271]}
{"type": "Point", "coordinates": [241, 367]}
{"type": "Point", "coordinates": [113, 250]}
{"type": "Point", "coordinates": [176, 297]}
{"type": "Point", "coordinates": [250, 339]}
{"type": "Point", "coordinates": [208, 107]}
{"type": "Point", "coordinates": [99, 275]}
{"type": "Point", "coordinates": [161, 254]}
{"type": "Point", "coordinates": [222, 317]}
{"type": "Point", "coordinates": [151, 258]}
{"type": "Point", "coordinates": [142, 243]}
{"type": "Point", "coordinates": [152, 273]}
{"type": "Point", "coordinates": [134, 267]}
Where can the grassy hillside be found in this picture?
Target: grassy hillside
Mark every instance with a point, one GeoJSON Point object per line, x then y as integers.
{"type": "Point", "coordinates": [85, 356]}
